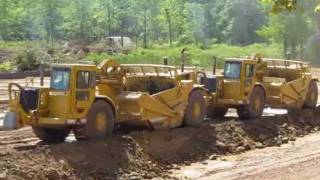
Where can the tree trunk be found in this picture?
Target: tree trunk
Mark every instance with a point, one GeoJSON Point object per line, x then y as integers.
{"type": "Point", "coordinates": [170, 25]}
{"type": "Point", "coordinates": [285, 47]}
{"type": "Point", "coordinates": [293, 50]}
{"type": "Point", "coordinates": [3, 23]}
{"type": "Point", "coordinates": [318, 23]}
{"type": "Point", "coordinates": [109, 26]}
{"type": "Point", "coordinates": [145, 45]}
{"type": "Point", "coordinates": [136, 40]}
{"type": "Point", "coordinates": [301, 51]}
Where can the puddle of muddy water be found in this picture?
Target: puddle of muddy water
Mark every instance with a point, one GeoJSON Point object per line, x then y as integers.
{"type": "Point", "coordinates": [266, 112]}
{"type": "Point", "coordinates": [270, 111]}
{"type": "Point", "coordinates": [71, 138]}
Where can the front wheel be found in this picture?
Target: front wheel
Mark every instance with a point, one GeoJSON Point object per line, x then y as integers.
{"type": "Point", "coordinates": [100, 122]}
{"type": "Point", "coordinates": [195, 112]}
{"type": "Point", "coordinates": [51, 135]}
{"type": "Point", "coordinates": [255, 107]}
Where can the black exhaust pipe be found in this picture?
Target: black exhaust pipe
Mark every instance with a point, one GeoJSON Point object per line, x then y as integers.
{"type": "Point", "coordinates": [214, 65]}
{"type": "Point", "coordinates": [183, 58]}
{"type": "Point", "coordinates": [41, 70]}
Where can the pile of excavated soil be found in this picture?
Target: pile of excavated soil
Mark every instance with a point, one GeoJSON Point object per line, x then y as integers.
{"type": "Point", "coordinates": [214, 138]}
{"type": "Point", "coordinates": [146, 154]}
{"type": "Point", "coordinates": [116, 157]}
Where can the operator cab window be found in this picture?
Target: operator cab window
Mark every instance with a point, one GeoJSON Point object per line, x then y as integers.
{"type": "Point", "coordinates": [60, 79]}
{"type": "Point", "coordinates": [83, 80]}
{"type": "Point", "coordinates": [232, 70]}
{"type": "Point", "coordinates": [249, 70]}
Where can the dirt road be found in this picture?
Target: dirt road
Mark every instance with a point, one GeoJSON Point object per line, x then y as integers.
{"type": "Point", "coordinates": [296, 160]}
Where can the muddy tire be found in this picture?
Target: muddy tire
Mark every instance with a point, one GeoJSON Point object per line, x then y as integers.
{"type": "Point", "coordinates": [216, 112]}
{"type": "Point", "coordinates": [255, 107]}
{"type": "Point", "coordinates": [51, 135]}
{"type": "Point", "coordinates": [195, 112]}
{"type": "Point", "coordinates": [100, 122]}
{"type": "Point", "coordinates": [312, 96]}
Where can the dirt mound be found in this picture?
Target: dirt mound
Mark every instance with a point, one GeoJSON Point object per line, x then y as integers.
{"type": "Point", "coordinates": [119, 157]}
{"type": "Point", "coordinates": [228, 136]}
{"type": "Point", "coordinates": [145, 154]}
{"type": "Point", "coordinates": [116, 157]}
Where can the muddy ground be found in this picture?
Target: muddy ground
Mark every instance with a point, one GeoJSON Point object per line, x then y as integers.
{"type": "Point", "coordinates": [146, 154]}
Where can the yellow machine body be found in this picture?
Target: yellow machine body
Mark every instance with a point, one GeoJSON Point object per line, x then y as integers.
{"type": "Point", "coordinates": [283, 83]}
{"type": "Point", "coordinates": [145, 95]}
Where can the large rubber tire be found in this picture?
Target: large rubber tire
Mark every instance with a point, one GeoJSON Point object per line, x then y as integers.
{"type": "Point", "coordinates": [100, 122]}
{"type": "Point", "coordinates": [195, 112]}
{"type": "Point", "coordinates": [51, 135]}
{"type": "Point", "coordinates": [216, 112]}
{"type": "Point", "coordinates": [312, 96]}
{"type": "Point", "coordinates": [254, 109]}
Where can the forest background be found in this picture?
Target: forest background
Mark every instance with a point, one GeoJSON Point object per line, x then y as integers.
{"type": "Point", "coordinates": [57, 31]}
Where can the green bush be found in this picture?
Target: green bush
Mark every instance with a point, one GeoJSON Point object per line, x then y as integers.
{"type": "Point", "coordinates": [27, 60]}
{"type": "Point", "coordinates": [6, 67]}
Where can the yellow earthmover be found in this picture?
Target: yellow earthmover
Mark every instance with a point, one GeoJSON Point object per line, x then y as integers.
{"type": "Point", "coordinates": [251, 84]}
{"type": "Point", "coordinates": [89, 100]}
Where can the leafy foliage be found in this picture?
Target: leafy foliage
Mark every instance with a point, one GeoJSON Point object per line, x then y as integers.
{"type": "Point", "coordinates": [282, 5]}
{"type": "Point", "coordinates": [198, 23]}
{"type": "Point", "coordinates": [146, 21]}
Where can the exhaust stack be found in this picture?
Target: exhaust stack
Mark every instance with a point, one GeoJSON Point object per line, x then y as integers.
{"type": "Point", "coordinates": [214, 65]}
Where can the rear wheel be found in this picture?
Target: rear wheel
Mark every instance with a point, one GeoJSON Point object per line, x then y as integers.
{"type": "Point", "coordinates": [312, 95]}
{"type": "Point", "coordinates": [218, 112]}
{"type": "Point", "coordinates": [100, 122]}
{"type": "Point", "coordinates": [51, 135]}
{"type": "Point", "coordinates": [255, 107]}
{"type": "Point", "coordinates": [194, 115]}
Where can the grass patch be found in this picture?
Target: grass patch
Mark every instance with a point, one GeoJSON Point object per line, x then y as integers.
{"type": "Point", "coordinates": [196, 56]}
{"type": "Point", "coordinates": [5, 67]}
{"type": "Point", "coordinates": [154, 55]}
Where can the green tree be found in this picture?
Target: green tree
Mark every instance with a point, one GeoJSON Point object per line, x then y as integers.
{"type": "Point", "coordinates": [4, 19]}
{"type": "Point", "coordinates": [51, 18]}
{"type": "Point", "coordinates": [248, 18]}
